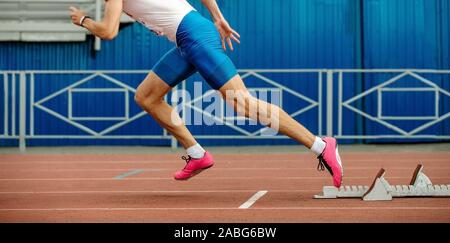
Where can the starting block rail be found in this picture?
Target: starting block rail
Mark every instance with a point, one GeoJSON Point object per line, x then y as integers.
{"type": "Point", "coordinates": [380, 190]}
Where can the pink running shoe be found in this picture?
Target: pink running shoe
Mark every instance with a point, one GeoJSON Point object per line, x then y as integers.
{"type": "Point", "coordinates": [330, 159]}
{"type": "Point", "coordinates": [194, 166]}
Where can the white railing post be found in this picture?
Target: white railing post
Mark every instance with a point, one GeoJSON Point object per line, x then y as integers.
{"type": "Point", "coordinates": [31, 105]}
{"type": "Point", "coordinates": [330, 74]}
{"type": "Point", "coordinates": [340, 90]}
{"type": "Point", "coordinates": [98, 16]}
{"type": "Point", "coordinates": [320, 107]}
{"type": "Point", "coordinates": [13, 104]}
{"type": "Point", "coordinates": [173, 140]}
{"type": "Point", "coordinates": [6, 101]}
{"type": "Point", "coordinates": [22, 113]}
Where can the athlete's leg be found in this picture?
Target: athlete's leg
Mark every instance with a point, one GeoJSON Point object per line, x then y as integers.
{"type": "Point", "coordinates": [150, 96]}
{"type": "Point", "coordinates": [251, 107]}
{"type": "Point", "coordinates": [237, 95]}
{"type": "Point", "coordinates": [168, 72]}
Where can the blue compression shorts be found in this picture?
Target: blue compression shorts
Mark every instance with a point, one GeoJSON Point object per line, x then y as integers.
{"type": "Point", "coordinates": [199, 48]}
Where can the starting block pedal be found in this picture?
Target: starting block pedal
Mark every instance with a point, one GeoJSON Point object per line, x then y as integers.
{"type": "Point", "coordinates": [380, 190]}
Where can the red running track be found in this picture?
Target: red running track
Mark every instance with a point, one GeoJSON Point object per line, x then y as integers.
{"type": "Point", "coordinates": [140, 188]}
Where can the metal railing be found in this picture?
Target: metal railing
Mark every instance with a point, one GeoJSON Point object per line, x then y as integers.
{"type": "Point", "coordinates": [22, 109]}
{"type": "Point", "coordinates": [422, 84]}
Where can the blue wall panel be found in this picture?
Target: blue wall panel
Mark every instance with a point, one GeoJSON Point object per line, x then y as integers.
{"type": "Point", "coordinates": [274, 34]}
{"type": "Point", "coordinates": [409, 34]}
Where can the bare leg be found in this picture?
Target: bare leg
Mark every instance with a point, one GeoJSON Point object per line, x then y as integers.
{"type": "Point", "coordinates": [150, 96]}
{"type": "Point", "coordinates": [253, 108]}
{"type": "Point", "coordinates": [286, 124]}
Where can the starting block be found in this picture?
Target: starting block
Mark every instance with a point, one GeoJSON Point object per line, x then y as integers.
{"type": "Point", "coordinates": [380, 190]}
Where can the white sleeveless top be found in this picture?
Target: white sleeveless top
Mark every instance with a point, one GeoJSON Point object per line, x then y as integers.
{"type": "Point", "coordinates": [160, 16]}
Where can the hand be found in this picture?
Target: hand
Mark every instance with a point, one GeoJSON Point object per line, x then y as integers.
{"type": "Point", "coordinates": [76, 15]}
{"type": "Point", "coordinates": [226, 34]}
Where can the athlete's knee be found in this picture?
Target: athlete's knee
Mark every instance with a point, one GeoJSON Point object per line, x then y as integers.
{"type": "Point", "coordinates": [147, 99]}
{"type": "Point", "coordinates": [140, 98]}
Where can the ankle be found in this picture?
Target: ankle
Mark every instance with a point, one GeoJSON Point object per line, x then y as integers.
{"type": "Point", "coordinates": [196, 151]}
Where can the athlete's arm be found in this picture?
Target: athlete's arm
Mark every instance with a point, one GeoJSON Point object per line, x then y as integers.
{"type": "Point", "coordinates": [108, 27]}
{"type": "Point", "coordinates": [226, 32]}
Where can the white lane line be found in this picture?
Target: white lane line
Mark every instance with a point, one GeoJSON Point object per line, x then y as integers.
{"type": "Point", "coordinates": [123, 177]}
{"type": "Point", "coordinates": [6, 171]}
{"type": "Point", "coordinates": [223, 208]}
{"type": "Point", "coordinates": [171, 161]}
{"type": "Point", "coordinates": [252, 200]}
{"type": "Point", "coordinates": [147, 191]}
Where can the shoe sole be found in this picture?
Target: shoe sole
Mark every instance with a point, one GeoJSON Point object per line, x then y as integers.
{"type": "Point", "coordinates": [195, 173]}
